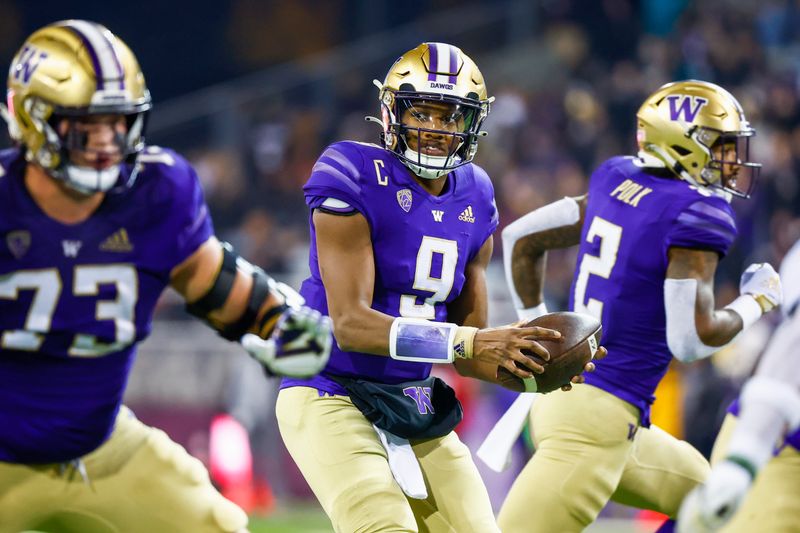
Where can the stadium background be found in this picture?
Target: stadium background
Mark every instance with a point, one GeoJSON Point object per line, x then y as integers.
{"type": "Point", "coordinates": [252, 91]}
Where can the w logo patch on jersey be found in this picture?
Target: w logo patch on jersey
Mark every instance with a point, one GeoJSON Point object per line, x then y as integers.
{"type": "Point", "coordinates": [684, 107]}
{"type": "Point", "coordinates": [71, 248]}
{"type": "Point", "coordinates": [466, 215]}
{"type": "Point", "coordinates": [437, 215]}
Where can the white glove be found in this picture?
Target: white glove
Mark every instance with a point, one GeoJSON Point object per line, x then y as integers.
{"type": "Point", "coordinates": [709, 506]}
{"type": "Point", "coordinates": [299, 346]}
{"type": "Point", "coordinates": [764, 284]}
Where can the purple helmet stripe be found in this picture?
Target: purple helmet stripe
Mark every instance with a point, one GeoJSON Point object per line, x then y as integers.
{"type": "Point", "coordinates": [453, 64]}
{"type": "Point", "coordinates": [109, 39]}
{"type": "Point", "coordinates": [434, 59]}
{"type": "Point", "coordinates": [100, 47]}
{"type": "Point", "coordinates": [93, 55]}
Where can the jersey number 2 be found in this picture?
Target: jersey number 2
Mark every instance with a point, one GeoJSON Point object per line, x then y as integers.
{"type": "Point", "coordinates": [599, 265]}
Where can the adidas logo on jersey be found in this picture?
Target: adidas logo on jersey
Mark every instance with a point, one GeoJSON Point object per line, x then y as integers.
{"type": "Point", "coordinates": [466, 215]}
{"type": "Point", "coordinates": [117, 242]}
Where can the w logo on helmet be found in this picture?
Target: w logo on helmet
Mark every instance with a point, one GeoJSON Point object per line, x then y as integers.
{"type": "Point", "coordinates": [28, 62]}
{"type": "Point", "coordinates": [685, 108]}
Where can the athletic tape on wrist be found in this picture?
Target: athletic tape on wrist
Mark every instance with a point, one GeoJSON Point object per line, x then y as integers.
{"type": "Point", "coordinates": [746, 307]}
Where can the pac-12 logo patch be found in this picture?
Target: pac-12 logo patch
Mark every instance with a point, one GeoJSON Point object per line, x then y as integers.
{"type": "Point", "coordinates": [18, 242]}
{"type": "Point", "coordinates": [404, 199]}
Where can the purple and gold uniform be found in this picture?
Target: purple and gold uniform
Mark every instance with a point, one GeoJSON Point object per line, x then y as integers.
{"type": "Point", "coordinates": [632, 220]}
{"type": "Point", "coordinates": [74, 302]}
{"type": "Point", "coordinates": [595, 442]}
{"type": "Point", "coordinates": [75, 299]}
{"type": "Point", "coordinates": [421, 247]}
{"type": "Point", "coordinates": [422, 244]}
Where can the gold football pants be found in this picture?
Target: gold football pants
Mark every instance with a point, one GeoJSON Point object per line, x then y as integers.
{"type": "Point", "coordinates": [137, 481]}
{"type": "Point", "coordinates": [590, 449]}
{"type": "Point", "coordinates": [341, 458]}
{"type": "Point", "coordinates": [773, 503]}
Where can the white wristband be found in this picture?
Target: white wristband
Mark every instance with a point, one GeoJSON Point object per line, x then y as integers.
{"type": "Point", "coordinates": [532, 312]}
{"type": "Point", "coordinates": [746, 307]}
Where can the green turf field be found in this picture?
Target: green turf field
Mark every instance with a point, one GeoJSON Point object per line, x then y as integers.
{"type": "Point", "coordinates": [313, 520]}
{"type": "Point", "coordinates": [295, 520]}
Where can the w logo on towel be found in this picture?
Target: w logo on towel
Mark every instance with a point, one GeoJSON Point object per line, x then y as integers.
{"type": "Point", "coordinates": [421, 395]}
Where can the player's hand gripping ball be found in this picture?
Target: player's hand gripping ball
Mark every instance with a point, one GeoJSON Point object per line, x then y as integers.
{"type": "Point", "coordinates": [580, 341]}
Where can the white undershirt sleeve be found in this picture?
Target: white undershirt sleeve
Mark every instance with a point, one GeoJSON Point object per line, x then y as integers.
{"type": "Point", "coordinates": [683, 341]}
{"type": "Point", "coordinates": [564, 212]}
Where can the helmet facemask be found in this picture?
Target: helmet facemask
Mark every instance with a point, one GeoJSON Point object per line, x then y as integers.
{"type": "Point", "coordinates": [64, 138]}
{"type": "Point", "coordinates": [729, 167]}
{"type": "Point", "coordinates": [432, 134]}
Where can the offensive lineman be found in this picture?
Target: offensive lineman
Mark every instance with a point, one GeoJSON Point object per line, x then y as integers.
{"type": "Point", "coordinates": [93, 227]}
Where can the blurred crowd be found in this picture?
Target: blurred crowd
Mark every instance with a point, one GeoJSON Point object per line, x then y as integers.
{"type": "Point", "coordinates": [555, 118]}
{"type": "Point", "coordinates": [566, 100]}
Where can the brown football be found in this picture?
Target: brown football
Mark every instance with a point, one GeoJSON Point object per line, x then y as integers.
{"type": "Point", "coordinates": [580, 338]}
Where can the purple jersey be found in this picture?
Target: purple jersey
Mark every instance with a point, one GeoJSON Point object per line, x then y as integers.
{"type": "Point", "coordinates": [75, 299]}
{"type": "Point", "coordinates": [421, 245]}
{"type": "Point", "coordinates": [632, 219]}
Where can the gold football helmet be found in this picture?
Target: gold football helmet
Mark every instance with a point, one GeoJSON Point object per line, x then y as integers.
{"type": "Point", "coordinates": [67, 71]}
{"type": "Point", "coordinates": [699, 131]}
{"type": "Point", "coordinates": [433, 102]}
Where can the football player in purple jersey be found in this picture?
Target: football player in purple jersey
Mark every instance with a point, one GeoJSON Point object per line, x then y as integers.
{"type": "Point", "coordinates": [93, 226]}
{"type": "Point", "coordinates": [401, 235]}
{"type": "Point", "coordinates": [762, 448]}
{"type": "Point", "coordinates": [651, 231]}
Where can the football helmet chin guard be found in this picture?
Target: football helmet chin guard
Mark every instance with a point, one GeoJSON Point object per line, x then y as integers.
{"type": "Point", "coordinates": [441, 75]}
{"type": "Point", "coordinates": [698, 131]}
{"type": "Point", "coordinates": [68, 71]}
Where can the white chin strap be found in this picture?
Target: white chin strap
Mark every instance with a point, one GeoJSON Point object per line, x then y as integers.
{"type": "Point", "coordinates": [90, 180]}
{"type": "Point", "coordinates": [430, 161]}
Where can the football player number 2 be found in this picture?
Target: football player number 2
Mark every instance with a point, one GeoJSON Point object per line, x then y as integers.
{"type": "Point", "coordinates": [435, 272]}
{"type": "Point", "coordinates": [597, 265]}
{"type": "Point", "coordinates": [46, 286]}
